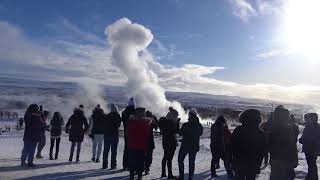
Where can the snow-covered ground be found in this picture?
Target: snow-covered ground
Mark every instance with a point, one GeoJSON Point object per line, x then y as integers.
{"type": "Point", "coordinates": [11, 146]}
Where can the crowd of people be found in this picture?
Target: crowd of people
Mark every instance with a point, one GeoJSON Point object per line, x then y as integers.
{"type": "Point", "coordinates": [244, 151]}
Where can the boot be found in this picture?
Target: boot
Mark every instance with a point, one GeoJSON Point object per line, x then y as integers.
{"type": "Point", "coordinates": [56, 156]}
{"type": "Point", "coordinates": [170, 175]}
{"type": "Point", "coordinates": [70, 157]}
{"type": "Point", "coordinates": [77, 159]}
{"type": "Point", "coordinates": [104, 165]}
{"type": "Point", "coordinates": [163, 167]}
{"type": "Point", "coordinates": [131, 175]}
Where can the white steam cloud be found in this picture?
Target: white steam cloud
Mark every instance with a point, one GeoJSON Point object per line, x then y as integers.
{"type": "Point", "coordinates": [128, 42]}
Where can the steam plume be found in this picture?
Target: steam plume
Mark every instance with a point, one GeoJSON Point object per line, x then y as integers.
{"type": "Point", "coordinates": [128, 41]}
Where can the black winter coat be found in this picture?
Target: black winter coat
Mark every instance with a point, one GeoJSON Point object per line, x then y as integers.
{"type": "Point", "coordinates": [76, 126]}
{"type": "Point", "coordinates": [154, 126]}
{"type": "Point", "coordinates": [282, 145]}
{"type": "Point", "coordinates": [125, 116]}
{"type": "Point", "coordinates": [56, 126]}
{"type": "Point", "coordinates": [99, 121]}
{"type": "Point", "coordinates": [310, 139]}
{"type": "Point", "coordinates": [248, 146]}
{"type": "Point", "coordinates": [33, 127]}
{"type": "Point", "coordinates": [191, 132]}
{"type": "Point", "coordinates": [168, 129]}
{"type": "Point", "coordinates": [112, 124]}
{"type": "Point", "coordinates": [217, 143]}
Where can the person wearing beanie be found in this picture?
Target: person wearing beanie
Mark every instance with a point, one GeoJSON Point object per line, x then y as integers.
{"type": "Point", "coordinates": [111, 137]}
{"type": "Point", "coordinates": [129, 110]}
{"type": "Point", "coordinates": [248, 146]}
{"type": "Point", "coordinates": [190, 132]}
{"type": "Point", "coordinates": [282, 146]}
{"type": "Point", "coordinates": [311, 145]}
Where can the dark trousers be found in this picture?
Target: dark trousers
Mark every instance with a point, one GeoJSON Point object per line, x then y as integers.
{"type": "Point", "coordinates": [28, 151]}
{"type": "Point", "coordinates": [312, 167]}
{"type": "Point", "coordinates": [192, 157]}
{"type": "Point", "coordinates": [125, 153]}
{"type": "Point", "coordinates": [167, 160]}
{"type": "Point", "coordinates": [226, 160]}
{"type": "Point", "coordinates": [110, 143]}
{"type": "Point", "coordinates": [245, 175]}
{"type": "Point", "coordinates": [41, 144]}
{"type": "Point", "coordinates": [148, 159]}
{"type": "Point", "coordinates": [52, 141]}
{"type": "Point", "coordinates": [73, 145]}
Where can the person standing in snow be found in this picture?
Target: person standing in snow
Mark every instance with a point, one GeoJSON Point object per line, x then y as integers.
{"type": "Point", "coordinates": [220, 146]}
{"type": "Point", "coordinates": [111, 137]}
{"type": "Point", "coordinates": [169, 127]}
{"type": "Point", "coordinates": [266, 127]}
{"type": "Point", "coordinates": [76, 126]}
{"type": "Point", "coordinates": [125, 117]}
{"type": "Point", "coordinates": [190, 132]}
{"type": "Point", "coordinates": [138, 131]}
{"type": "Point", "coordinates": [96, 131]}
{"type": "Point", "coordinates": [56, 124]}
{"type": "Point", "coordinates": [154, 125]}
{"type": "Point", "coordinates": [42, 141]}
{"type": "Point", "coordinates": [32, 133]}
{"type": "Point", "coordinates": [282, 146]}
{"type": "Point", "coordinates": [248, 146]}
{"type": "Point", "coordinates": [311, 145]}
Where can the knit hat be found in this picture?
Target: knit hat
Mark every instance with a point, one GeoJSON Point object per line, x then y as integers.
{"type": "Point", "coordinates": [132, 102]}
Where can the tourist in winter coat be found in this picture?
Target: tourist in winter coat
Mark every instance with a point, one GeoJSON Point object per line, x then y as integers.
{"type": "Point", "coordinates": [295, 127]}
{"type": "Point", "coordinates": [266, 127]}
{"type": "Point", "coordinates": [190, 132]}
{"type": "Point", "coordinates": [32, 133]}
{"type": "Point", "coordinates": [42, 141]}
{"type": "Point", "coordinates": [169, 127]}
{"type": "Point", "coordinates": [220, 146]}
{"type": "Point", "coordinates": [111, 137]}
{"type": "Point", "coordinates": [311, 145]}
{"type": "Point", "coordinates": [76, 126]}
{"type": "Point", "coordinates": [248, 145]}
{"type": "Point", "coordinates": [96, 130]}
{"type": "Point", "coordinates": [282, 146]}
{"type": "Point", "coordinates": [125, 117]}
{"type": "Point", "coordinates": [138, 131]}
{"type": "Point", "coordinates": [154, 126]}
{"type": "Point", "coordinates": [56, 124]}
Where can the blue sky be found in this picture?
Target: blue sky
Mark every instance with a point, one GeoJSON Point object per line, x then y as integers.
{"type": "Point", "coordinates": [242, 36]}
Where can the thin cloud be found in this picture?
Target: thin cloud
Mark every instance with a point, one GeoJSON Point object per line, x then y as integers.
{"type": "Point", "coordinates": [274, 53]}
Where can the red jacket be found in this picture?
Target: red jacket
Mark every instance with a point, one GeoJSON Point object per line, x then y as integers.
{"type": "Point", "coordinates": [138, 132]}
{"type": "Point", "coordinates": [227, 135]}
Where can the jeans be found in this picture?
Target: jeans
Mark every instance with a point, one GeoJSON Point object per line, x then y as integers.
{"type": "Point", "coordinates": [110, 143]}
{"type": "Point", "coordinates": [52, 141]}
{"type": "Point", "coordinates": [73, 144]}
{"type": "Point", "coordinates": [148, 159]}
{"type": "Point", "coordinates": [97, 141]}
{"type": "Point", "coordinates": [192, 157]}
{"type": "Point", "coordinates": [28, 151]}
{"type": "Point", "coordinates": [41, 144]}
{"type": "Point", "coordinates": [167, 160]}
{"type": "Point", "coordinates": [312, 167]}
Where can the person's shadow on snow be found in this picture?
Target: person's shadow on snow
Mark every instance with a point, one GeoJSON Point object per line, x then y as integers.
{"type": "Point", "coordinates": [38, 166]}
{"type": "Point", "coordinates": [77, 175]}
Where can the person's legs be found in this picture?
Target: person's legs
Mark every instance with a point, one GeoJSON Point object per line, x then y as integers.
{"type": "Point", "coordinates": [41, 145]}
{"type": "Point", "coordinates": [148, 161]}
{"type": "Point", "coordinates": [78, 151]}
{"type": "Point", "coordinates": [73, 144]}
{"type": "Point", "coordinates": [31, 153]}
{"type": "Point", "coordinates": [99, 143]}
{"type": "Point", "coordinates": [214, 161]}
{"type": "Point", "coordinates": [114, 148]}
{"type": "Point", "coordinates": [312, 167]}
{"type": "Point", "coordinates": [107, 144]}
{"type": "Point", "coordinates": [164, 162]}
{"type": "Point", "coordinates": [192, 159]}
{"type": "Point", "coordinates": [169, 161]}
{"type": "Point", "coordinates": [51, 147]}
{"type": "Point", "coordinates": [125, 153]}
{"type": "Point", "coordinates": [25, 152]}
{"type": "Point", "coordinates": [57, 147]}
{"type": "Point", "coordinates": [94, 147]}
{"type": "Point", "coordinates": [181, 156]}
